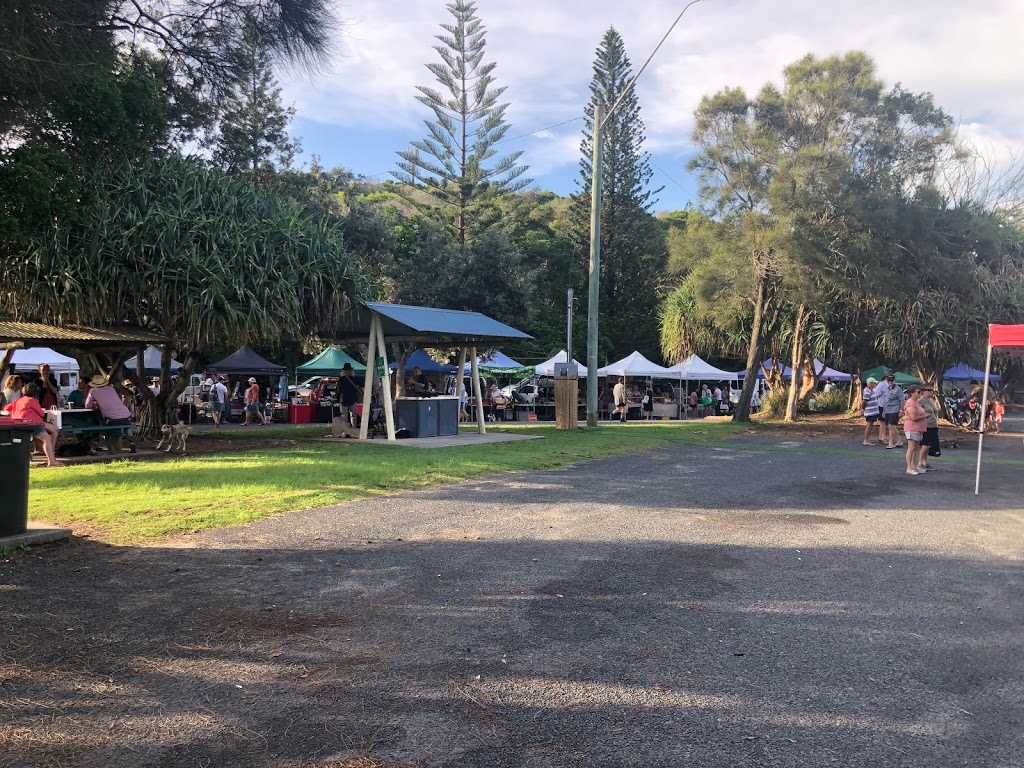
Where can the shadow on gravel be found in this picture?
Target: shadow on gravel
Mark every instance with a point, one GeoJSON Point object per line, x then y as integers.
{"type": "Point", "coordinates": [509, 654]}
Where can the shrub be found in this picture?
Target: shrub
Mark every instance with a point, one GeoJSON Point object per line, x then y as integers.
{"type": "Point", "coordinates": [836, 401]}
{"type": "Point", "coordinates": [773, 405]}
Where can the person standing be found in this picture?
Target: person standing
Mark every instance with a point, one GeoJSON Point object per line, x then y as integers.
{"type": "Point", "coordinates": [881, 390]}
{"type": "Point", "coordinates": [348, 395]}
{"type": "Point", "coordinates": [104, 398]}
{"type": "Point", "coordinates": [892, 408]}
{"type": "Point", "coordinates": [27, 408]}
{"type": "Point", "coordinates": [648, 404]}
{"type": "Point", "coordinates": [46, 385]}
{"type": "Point", "coordinates": [914, 425]}
{"type": "Point", "coordinates": [717, 397]}
{"type": "Point", "coordinates": [829, 386]}
{"type": "Point", "coordinates": [252, 403]}
{"type": "Point", "coordinates": [930, 442]}
{"type": "Point", "coordinates": [870, 405]}
{"type": "Point", "coordinates": [619, 395]}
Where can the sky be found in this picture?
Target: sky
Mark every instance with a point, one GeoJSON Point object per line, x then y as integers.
{"type": "Point", "coordinates": [364, 109]}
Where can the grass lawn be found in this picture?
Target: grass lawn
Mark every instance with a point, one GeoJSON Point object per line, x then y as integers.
{"type": "Point", "coordinates": [136, 501]}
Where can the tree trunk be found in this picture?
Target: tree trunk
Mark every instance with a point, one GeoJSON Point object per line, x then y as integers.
{"type": "Point", "coordinates": [796, 366]}
{"type": "Point", "coordinates": [856, 394]}
{"type": "Point", "coordinates": [811, 377]}
{"type": "Point", "coordinates": [754, 353]}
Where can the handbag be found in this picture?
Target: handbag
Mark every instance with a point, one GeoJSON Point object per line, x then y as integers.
{"type": "Point", "coordinates": [55, 417]}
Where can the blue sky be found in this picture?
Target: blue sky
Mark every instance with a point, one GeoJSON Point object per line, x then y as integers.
{"type": "Point", "coordinates": [363, 110]}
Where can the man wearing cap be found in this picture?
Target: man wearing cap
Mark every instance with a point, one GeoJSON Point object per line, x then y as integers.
{"type": "Point", "coordinates": [870, 405]}
{"type": "Point", "coordinates": [104, 398]}
{"type": "Point", "coordinates": [892, 408]}
{"type": "Point", "coordinates": [252, 403]}
{"type": "Point", "coordinates": [218, 399]}
{"type": "Point", "coordinates": [348, 395]}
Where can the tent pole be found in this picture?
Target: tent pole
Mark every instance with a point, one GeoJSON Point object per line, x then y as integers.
{"type": "Point", "coordinates": [481, 427]}
{"type": "Point", "coordinates": [371, 353]}
{"type": "Point", "coordinates": [984, 422]}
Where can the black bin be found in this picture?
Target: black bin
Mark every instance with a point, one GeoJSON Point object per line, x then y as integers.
{"type": "Point", "coordinates": [15, 454]}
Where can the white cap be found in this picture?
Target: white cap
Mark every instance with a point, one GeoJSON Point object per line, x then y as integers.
{"type": "Point", "coordinates": [210, 382]}
{"type": "Point", "coordinates": [252, 380]}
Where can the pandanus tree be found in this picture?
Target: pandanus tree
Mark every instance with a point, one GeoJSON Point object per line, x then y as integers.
{"type": "Point", "coordinates": [192, 254]}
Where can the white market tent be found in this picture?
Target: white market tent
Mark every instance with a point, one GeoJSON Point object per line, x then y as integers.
{"type": "Point", "coordinates": [636, 364]}
{"type": "Point", "coordinates": [547, 368]}
{"type": "Point", "coordinates": [1008, 339]}
{"type": "Point", "coordinates": [33, 357]}
{"type": "Point", "coordinates": [694, 368]}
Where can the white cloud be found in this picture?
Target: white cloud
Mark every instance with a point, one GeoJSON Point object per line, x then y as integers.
{"type": "Point", "coordinates": [966, 54]}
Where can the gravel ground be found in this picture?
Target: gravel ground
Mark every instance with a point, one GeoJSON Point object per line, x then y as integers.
{"type": "Point", "coordinates": [765, 602]}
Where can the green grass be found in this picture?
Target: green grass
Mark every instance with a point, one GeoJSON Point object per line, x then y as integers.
{"type": "Point", "coordinates": [136, 501]}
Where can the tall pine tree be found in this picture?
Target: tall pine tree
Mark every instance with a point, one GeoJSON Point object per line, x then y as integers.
{"type": "Point", "coordinates": [633, 250]}
{"type": "Point", "coordinates": [456, 166]}
{"type": "Point", "coordinates": [253, 133]}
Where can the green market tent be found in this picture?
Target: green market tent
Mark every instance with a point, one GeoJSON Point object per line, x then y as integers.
{"type": "Point", "coordinates": [329, 363]}
{"type": "Point", "coordinates": [902, 378]}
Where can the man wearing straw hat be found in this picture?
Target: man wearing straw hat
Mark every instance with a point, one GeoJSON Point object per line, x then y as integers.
{"type": "Point", "coordinates": [103, 398]}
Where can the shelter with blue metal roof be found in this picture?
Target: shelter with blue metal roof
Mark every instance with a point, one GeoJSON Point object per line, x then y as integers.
{"type": "Point", "coordinates": [425, 326]}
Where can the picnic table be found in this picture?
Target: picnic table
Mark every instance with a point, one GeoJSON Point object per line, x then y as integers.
{"type": "Point", "coordinates": [88, 423]}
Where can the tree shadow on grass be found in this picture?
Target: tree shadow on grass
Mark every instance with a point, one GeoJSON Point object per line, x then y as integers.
{"type": "Point", "coordinates": [515, 653]}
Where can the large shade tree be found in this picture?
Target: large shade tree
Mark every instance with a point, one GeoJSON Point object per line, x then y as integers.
{"type": "Point", "coordinates": [191, 254]}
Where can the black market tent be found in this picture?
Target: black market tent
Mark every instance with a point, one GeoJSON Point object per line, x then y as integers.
{"type": "Point", "coordinates": [245, 362]}
{"type": "Point", "coordinates": [329, 363]}
{"type": "Point", "coordinates": [150, 362]}
{"type": "Point", "coordinates": [428, 327]}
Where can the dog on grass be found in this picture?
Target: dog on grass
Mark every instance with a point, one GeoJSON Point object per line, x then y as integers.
{"type": "Point", "coordinates": [173, 433]}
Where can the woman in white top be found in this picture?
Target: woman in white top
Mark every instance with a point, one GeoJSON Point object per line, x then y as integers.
{"type": "Point", "coordinates": [12, 390]}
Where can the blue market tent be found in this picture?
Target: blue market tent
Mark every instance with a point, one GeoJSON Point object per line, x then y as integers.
{"type": "Point", "coordinates": [964, 372]}
{"type": "Point", "coordinates": [426, 363]}
{"type": "Point", "coordinates": [826, 372]}
{"type": "Point", "coordinates": [499, 363]}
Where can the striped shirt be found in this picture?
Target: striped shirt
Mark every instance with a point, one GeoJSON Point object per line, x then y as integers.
{"type": "Point", "coordinates": [870, 402]}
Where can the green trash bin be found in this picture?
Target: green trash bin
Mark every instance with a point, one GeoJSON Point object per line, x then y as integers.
{"type": "Point", "coordinates": [15, 455]}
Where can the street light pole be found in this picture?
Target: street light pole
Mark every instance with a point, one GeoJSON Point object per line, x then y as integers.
{"type": "Point", "coordinates": [596, 179]}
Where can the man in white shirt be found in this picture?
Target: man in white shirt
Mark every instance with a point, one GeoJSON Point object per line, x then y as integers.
{"type": "Point", "coordinates": [619, 393]}
{"type": "Point", "coordinates": [218, 400]}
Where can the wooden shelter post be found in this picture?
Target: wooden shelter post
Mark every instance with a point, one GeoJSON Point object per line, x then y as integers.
{"type": "Point", "coordinates": [481, 426]}
{"type": "Point", "coordinates": [389, 411]}
{"type": "Point", "coordinates": [371, 362]}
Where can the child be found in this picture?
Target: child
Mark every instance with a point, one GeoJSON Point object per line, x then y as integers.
{"type": "Point", "coordinates": [998, 409]}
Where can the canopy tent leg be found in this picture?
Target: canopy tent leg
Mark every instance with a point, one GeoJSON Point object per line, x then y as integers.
{"type": "Point", "coordinates": [371, 363]}
{"type": "Point", "coordinates": [389, 411]}
{"type": "Point", "coordinates": [481, 427]}
{"type": "Point", "coordinates": [984, 422]}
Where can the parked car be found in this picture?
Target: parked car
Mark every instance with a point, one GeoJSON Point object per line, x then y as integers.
{"type": "Point", "coordinates": [529, 391]}
{"type": "Point", "coordinates": [309, 386]}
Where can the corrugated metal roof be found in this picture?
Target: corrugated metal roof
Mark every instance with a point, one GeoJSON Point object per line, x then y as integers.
{"type": "Point", "coordinates": [48, 335]}
{"type": "Point", "coordinates": [450, 324]}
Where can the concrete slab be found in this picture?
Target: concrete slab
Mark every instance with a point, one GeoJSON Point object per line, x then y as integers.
{"type": "Point", "coordinates": [451, 441]}
{"type": "Point", "coordinates": [35, 536]}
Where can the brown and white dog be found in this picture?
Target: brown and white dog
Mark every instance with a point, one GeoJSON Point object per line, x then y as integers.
{"type": "Point", "coordinates": [173, 433]}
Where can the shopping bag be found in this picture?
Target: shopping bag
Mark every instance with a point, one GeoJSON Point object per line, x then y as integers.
{"type": "Point", "coordinates": [55, 417]}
